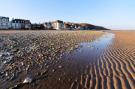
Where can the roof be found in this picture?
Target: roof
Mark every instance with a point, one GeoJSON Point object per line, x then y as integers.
{"type": "Point", "coordinates": [86, 24]}
{"type": "Point", "coordinates": [21, 20]}
{"type": "Point", "coordinates": [58, 21]}
{"type": "Point", "coordinates": [2, 17]}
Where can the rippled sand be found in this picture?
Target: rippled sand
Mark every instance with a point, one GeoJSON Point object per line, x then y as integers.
{"type": "Point", "coordinates": [114, 69]}
{"type": "Point", "coordinates": [109, 66]}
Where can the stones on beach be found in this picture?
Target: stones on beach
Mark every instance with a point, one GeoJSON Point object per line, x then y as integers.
{"type": "Point", "coordinates": [59, 66]}
{"type": "Point", "coordinates": [12, 77]}
{"type": "Point", "coordinates": [27, 80]}
{"type": "Point", "coordinates": [76, 46]}
{"type": "Point", "coordinates": [22, 63]}
{"type": "Point", "coordinates": [19, 54]}
{"type": "Point", "coordinates": [53, 70]}
{"type": "Point", "coordinates": [27, 68]}
{"type": "Point", "coordinates": [59, 79]}
{"type": "Point", "coordinates": [71, 49]}
{"type": "Point", "coordinates": [35, 52]}
{"type": "Point", "coordinates": [1, 54]}
{"type": "Point", "coordinates": [44, 72]}
{"type": "Point", "coordinates": [6, 57]}
{"type": "Point", "coordinates": [16, 50]}
{"type": "Point", "coordinates": [6, 74]}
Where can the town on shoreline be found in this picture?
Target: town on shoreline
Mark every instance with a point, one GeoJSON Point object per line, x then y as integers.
{"type": "Point", "coordinates": [23, 24]}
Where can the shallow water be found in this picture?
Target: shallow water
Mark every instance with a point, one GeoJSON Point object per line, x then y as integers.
{"type": "Point", "coordinates": [90, 51]}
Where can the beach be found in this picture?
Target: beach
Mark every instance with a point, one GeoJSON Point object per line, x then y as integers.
{"type": "Point", "coordinates": [67, 59]}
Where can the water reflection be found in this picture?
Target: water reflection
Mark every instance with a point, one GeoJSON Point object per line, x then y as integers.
{"type": "Point", "coordinates": [90, 51]}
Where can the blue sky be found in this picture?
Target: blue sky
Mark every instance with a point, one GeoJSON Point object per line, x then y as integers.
{"type": "Point", "coordinates": [115, 14]}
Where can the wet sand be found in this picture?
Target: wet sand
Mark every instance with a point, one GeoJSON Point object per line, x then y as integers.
{"type": "Point", "coordinates": [83, 60]}
{"type": "Point", "coordinates": [35, 55]}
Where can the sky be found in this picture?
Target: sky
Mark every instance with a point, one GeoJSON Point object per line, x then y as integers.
{"type": "Point", "coordinates": [114, 14]}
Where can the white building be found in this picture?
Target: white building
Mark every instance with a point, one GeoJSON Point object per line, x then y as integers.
{"type": "Point", "coordinates": [27, 24]}
{"type": "Point", "coordinates": [58, 25]}
{"type": "Point", "coordinates": [20, 24]}
{"type": "Point", "coordinates": [4, 23]}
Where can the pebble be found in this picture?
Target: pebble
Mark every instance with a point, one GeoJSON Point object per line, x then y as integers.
{"type": "Point", "coordinates": [27, 68]}
{"type": "Point", "coordinates": [1, 55]}
{"type": "Point", "coordinates": [59, 79]}
{"type": "Point", "coordinates": [76, 46]}
{"type": "Point", "coordinates": [12, 77]}
{"type": "Point", "coordinates": [53, 70]}
{"type": "Point", "coordinates": [22, 63]}
{"type": "Point", "coordinates": [27, 80]}
{"type": "Point", "coordinates": [6, 74]}
{"type": "Point", "coordinates": [60, 66]}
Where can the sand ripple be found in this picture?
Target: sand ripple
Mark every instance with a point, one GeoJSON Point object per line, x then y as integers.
{"type": "Point", "coordinates": [115, 68]}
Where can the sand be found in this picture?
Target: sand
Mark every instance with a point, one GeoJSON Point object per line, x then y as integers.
{"type": "Point", "coordinates": [36, 54]}
{"type": "Point", "coordinates": [115, 68]}
{"type": "Point", "coordinates": [110, 68]}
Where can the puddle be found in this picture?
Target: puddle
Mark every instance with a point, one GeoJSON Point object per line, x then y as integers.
{"type": "Point", "coordinates": [90, 51]}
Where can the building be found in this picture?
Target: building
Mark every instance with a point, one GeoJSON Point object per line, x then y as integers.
{"type": "Point", "coordinates": [58, 25]}
{"type": "Point", "coordinates": [67, 26]}
{"type": "Point", "coordinates": [37, 26]}
{"type": "Point", "coordinates": [48, 25]}
{"type": "Point", "coordinates": [20, 24]}
{"type": "Point", "coordinates": [27, 24]}
{"type": "Point", "coordinates": [17, 24]}
{"type": "Point", "coordinates": [70, 26]}
{"type": "Point", "coordinates": [4, 23]}
{"type": "Point", "coordinates": [54, 25]}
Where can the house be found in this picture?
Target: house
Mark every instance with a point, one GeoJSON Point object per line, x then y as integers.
{"type": "Point", "coordinates": [37, 26]}
{"type": "Point", "coordinates": [27, 24]}
{"type": "Point", "coordinates": [4, 22]}
{"type": "Point", "coordinates": [67, 26]}
{"type": "Point", "coordinates": [48, 25]}
{"type": "Point", "coordinates": [20, 24]}
{"type": "Point", "coordinates": [58, 25]}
